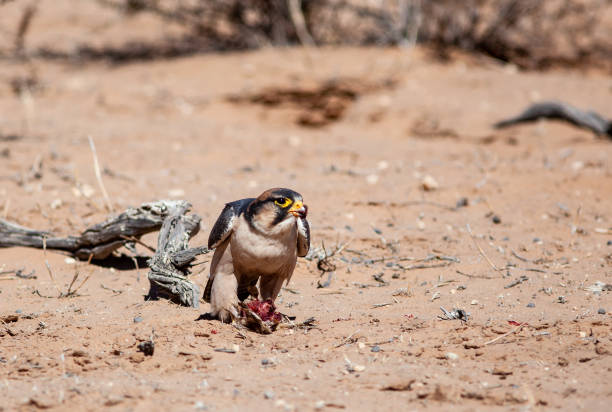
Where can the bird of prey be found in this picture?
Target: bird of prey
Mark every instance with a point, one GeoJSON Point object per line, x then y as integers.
{"type": "Point", "coordinates": [255, 240]}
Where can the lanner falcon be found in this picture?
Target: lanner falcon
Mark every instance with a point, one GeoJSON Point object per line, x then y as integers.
{"type": "Point", "coordinates": [255, 240]}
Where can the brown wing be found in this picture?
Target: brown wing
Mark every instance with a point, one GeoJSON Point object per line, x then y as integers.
{"type": "Point", "coordinates": [303, 241]}
{"type": "Point", "coordinates": [225, 222]}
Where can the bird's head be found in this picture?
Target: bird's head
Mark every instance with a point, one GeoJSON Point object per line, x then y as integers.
{"type": "Point", "coordinates": [276, 209]}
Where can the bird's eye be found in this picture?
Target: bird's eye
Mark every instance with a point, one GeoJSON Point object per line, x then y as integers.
{"type": "Point", "coordinates": [283, 202]}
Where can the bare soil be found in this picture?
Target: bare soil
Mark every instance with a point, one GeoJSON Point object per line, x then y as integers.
{"type": "Point", "coordinates": [537, 208]}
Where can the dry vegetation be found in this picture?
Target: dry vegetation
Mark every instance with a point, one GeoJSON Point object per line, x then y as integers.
{"type": "Point", "coordinates": [532, 35]}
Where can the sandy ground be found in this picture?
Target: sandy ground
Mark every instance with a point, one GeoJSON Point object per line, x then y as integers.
{"type": "Point", "coordinates": [166, 129]}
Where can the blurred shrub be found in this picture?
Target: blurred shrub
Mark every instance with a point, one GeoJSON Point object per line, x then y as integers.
{"type": "Point", "coordinates": [529, 33]}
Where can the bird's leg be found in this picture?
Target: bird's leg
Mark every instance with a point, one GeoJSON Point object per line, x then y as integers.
{"type": "Point", "coordinates": [247, 287]}
{"type": "Point", "coordinates": [270, 286]}
{"type": "Point", "coordinates": [223, 298]}
{"type": "Point", "coordinates": [223, 294]}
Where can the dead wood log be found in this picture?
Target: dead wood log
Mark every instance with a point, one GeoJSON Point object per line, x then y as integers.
{"type": "Point", "coordinates": [99, 241]}
{"type": "Point", "coordinates": [170, 265]}
{"type": "Point", "coordinates": [562, 111]}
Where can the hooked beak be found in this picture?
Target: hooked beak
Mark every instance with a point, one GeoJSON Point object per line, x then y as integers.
{"type": "Point", "coordinates": [299, 210]}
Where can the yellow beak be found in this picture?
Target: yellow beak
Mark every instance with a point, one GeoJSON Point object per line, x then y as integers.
{"type": "Point", "coordinates": [298, 209]}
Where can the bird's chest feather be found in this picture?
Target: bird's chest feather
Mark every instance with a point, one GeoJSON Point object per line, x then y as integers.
{"type": "Point", "coordinates": [253, 250]}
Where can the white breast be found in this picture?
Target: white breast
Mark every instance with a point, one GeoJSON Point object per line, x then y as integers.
{"type": "Point", "coordinates": [260, 253]}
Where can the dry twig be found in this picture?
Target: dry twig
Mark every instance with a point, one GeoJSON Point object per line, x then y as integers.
{"type": "Point", "coordinates": [380, 305]}
{"type": "Point", "coordinates": [516, 329]}
{"type": "Point", "coordinates": [109, 205]}
{"type": "Point", "coordinates": [473, 276]}
{"type": "Point", "coordinates": [348, 339]}
{"type": "Point", "coordinates": [24, 25]}
{"type": "Point", "coordinates": [140, 242]}
{"type": "Point", "coordinates": [483, 254]}
{"type": "Point", "coordinates": [519, 257]}
{"type": "Point", "coordinates": [297, 18]}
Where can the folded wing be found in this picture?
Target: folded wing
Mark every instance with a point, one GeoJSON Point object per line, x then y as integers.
{"type": "Point", "coordinates": [303, 240]}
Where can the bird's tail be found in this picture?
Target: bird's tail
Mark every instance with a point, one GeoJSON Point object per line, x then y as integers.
{"type": "Point", "coordinates": [208, 289]}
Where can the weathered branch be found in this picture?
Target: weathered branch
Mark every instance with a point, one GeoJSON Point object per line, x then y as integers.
{"type": "Point", "coordinates": [100, 240]}
{"type": "Point", "coordinates": [170, 264]}
{"type": "Point", "coordinates": [562, 111]}
{"type": "Point", "coordinates": [297, 18]}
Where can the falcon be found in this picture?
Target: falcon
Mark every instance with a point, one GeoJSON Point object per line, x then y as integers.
{"type": "Point", "coordinates": [255, 240]}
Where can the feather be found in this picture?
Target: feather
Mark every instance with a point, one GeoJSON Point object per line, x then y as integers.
{"type": "Point", "coordinates": [225, 222]}
{"type": "Point", "coordinates": [303, 241]}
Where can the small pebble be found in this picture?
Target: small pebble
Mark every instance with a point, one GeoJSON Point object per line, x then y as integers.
{"type": "Point", "coordinates": [531, 305]}
{"type": "Point", "coordinates": [375, 349]}
{"type": "Point", "coordinates": [451, 356]}
{"type": "Point", "coordinates": [147, 347]}
{"type": "Point", "coordinates": [474, 302]}
{"type": "Point", "coordinates": [18, 311]}
{"type": "Point", "coordinates": [358, 368]}
{"type": "Point", "coordinates": [496, 219]}
{"type": "Point", "coordinates": [200, 406]}
{"type": "Point", "coordinates": [577, 165]}
{"type": "Point", "coordinates": [429, 183]}
{"type": "Point", "coordinates": [537, 240]}
{"type": "Point", "coordinates": [463, 202]}
{"type": "Point", "coordinates": [601, 311]}
{"type": "Point", "coordinates": [268, 362]}
{"type": "Point", "coordinates": [561, 299]}
{"type": "Point", "coordinates": [268, 395]}
{"type": "Point", "coordinates": [372, 179]}
{"type": "Point", "coordinates": [283, 404]}
{"type": "Point", "coordinates": [138, 319]}
{"type": "Point", "coordinates": [609, 242]}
